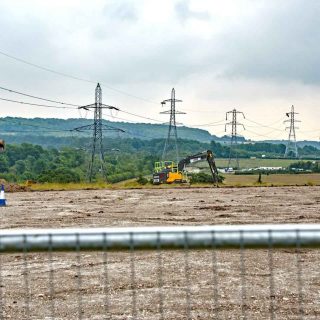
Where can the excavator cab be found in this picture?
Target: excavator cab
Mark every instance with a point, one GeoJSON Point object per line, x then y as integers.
{"type": "Point", "coordinates": [167, 172]}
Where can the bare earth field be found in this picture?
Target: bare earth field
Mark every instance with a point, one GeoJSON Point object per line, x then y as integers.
{"type": "Point", "coordinates": [111, 290]}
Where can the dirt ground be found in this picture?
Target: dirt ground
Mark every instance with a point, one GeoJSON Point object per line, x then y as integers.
{"type": "Point", "coordinates": [212, 284]}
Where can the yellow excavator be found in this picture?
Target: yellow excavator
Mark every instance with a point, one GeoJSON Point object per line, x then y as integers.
{"type": "Point", "coordinates": [169, 172]}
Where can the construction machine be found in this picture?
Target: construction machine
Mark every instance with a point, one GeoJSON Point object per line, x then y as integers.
{"type": "Point", "coordinates": [169, 172]}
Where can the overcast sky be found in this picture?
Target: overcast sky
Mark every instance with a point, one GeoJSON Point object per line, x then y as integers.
{"type": "Point", "coordinates": [257, 56]}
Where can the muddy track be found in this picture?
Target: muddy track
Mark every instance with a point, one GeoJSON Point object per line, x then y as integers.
{"type": "Point", "coordinates": [103, 208]}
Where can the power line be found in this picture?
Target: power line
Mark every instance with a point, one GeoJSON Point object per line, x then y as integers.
{"type": "Point", "coordinates": [44, 68]}
{"type": "Point", "coordinates": [131, 134]}
{"type": "Point", "coordinates": [116, 117]}
{"type": "Point", "coordinates": [60, 102]}
{"type": "Point", "coordinates": [139, 116]}
{"type": "Point", "coordinates": [223, 132]}
{"type": "Point", "coordinates": [124, 119]}
{"type": "Point", "coordinates": [35, 104]}
{"type": "Point", "coordinates": [76, 105]}
{"type": "Point", "coordinates": [266, 126]}
{"type": "Point", "coordinates": [211, 124]}
{"type": "Point", "coordinates": [208, 125]}
{"type": "Point", "coordinates": [197, 110]}
{"type": "Point", "coordinates": [42, 131]}
{"type": "Point", "coordinates": [65, 107]}
{"type": "Point", "coordinates": [161, 122]}
{"type": "Point", "coordinates": [262, 135]}
{"type": "Point", "coordinates": [64, 103]}
{"type": "Point", "coordinates": [39, 98]}
{"type": "Point", "coordinates": [72, 77]}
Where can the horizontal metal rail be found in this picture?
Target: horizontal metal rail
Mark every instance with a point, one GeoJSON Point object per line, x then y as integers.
{"type": "Point", "coordinates": [195, 237]}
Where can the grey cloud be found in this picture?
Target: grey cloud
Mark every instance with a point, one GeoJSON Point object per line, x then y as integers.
{"type": "Point", "coordinates": [282, 44]}
{"type": "Point", "coordinates": [173, 60]}
{"type": "Point", "coordinates": [25, 34]}
{"type": "Point", "coordinates": [113, 15]}
{"type": "Point", "coordinates": [183, 12]}
{"type": "Point", "coordinates": [115, 45]}
{"type": "Point", "coordinates": [28, 39]}
{"type": "Point", "coordinates": [121, 10]}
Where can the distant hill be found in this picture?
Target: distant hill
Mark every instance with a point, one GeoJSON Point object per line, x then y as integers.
{"type": "Point", "coordinates": [58, 132]}
{"type": "Point", "coordinates": [19, 127]}
{"type": "Point", "coordinates": [300, 144]}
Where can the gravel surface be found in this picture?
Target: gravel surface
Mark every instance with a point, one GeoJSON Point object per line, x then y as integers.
{"type": "Point", "coordinates": [242, 280]}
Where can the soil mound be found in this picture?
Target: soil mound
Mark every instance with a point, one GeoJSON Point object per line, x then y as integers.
{"type": "Point", "coordinates": [13, 187]}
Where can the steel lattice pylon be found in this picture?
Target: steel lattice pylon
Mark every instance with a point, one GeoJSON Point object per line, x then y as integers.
{"type": "Point", "coordinates": [291, 147]}
{"type": "Point", "coordinates": [97, 134]}
{"type": "Point", "coordinates": [233, 154]}
{"type": "Point", "coordinates": [97, 138]}
{"type": "Point", "coordinates": [172, 132]}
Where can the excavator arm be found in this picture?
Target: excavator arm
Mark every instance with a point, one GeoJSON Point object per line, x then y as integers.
{"type": "Point", "coordinates": [212, 166]}
{"type": "Point", "coordinates": [190, 159]}
{"type": "Point", "coordinates": [206, 155]}
{"type": "Point", "coordinates": [168, 172]}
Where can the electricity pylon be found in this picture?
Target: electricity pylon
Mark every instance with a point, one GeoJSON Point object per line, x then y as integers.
{"type": "Point", "coordinates": [172, 132]}
{"type": "Point", "coordinates": [291, 147]}
{"type": "Point", "coordinates": [233, 156]}
{"type": "Point", "coordinates": [97, 127]}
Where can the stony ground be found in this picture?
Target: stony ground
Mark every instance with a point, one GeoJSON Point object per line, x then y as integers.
{"type": "Point", "coordinates": [240, 290]}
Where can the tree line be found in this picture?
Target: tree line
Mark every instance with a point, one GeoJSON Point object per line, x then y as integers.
{"type": "Point", "coordinates": [124, 158]}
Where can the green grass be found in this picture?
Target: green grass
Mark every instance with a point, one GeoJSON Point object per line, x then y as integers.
{"type": "Point", "coordinates": [128, 184]}
{"type": "Point", "coordinates": [251, 163]}
{"type": "Point", "coordinates": [311, 179]}
{"type": "Point", "coordinates": [231, 180]}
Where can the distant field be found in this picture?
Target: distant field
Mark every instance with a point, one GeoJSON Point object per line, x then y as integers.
{"type": "Point", "coordinates": [252, 163]}
{"type": "Point", "coordinates": [273, 179]}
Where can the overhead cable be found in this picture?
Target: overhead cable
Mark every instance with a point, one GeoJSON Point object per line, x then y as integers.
{"type": "Point", "coordinates": [73, 77]}
{"type": "Point", "coordinates": [39, 98]}
{"type": "Point", "coordinates": [266, 126]}
{"type": "Point", "coordinates": [139, 116]}
{"type": "Point", "coordinates": [35, 104]}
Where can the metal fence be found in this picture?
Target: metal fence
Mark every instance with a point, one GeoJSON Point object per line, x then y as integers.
{"type": "Point", "coordinates": [214, 272]}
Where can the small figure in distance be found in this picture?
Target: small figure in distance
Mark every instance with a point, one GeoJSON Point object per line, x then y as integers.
{"type": "Point", "coordinates": [2, 145]}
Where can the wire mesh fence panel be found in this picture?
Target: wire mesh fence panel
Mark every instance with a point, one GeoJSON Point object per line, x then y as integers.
{"type": "Point", "coordinates": [237, 272]}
